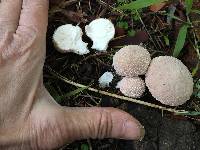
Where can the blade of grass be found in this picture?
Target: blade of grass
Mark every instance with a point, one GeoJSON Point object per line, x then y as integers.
{"type": "Point", "coordinates": [195, 11]}
{"type": "Point", "coordinates": [195, 70]}
{"type": "Point", "coordinates": [180, 40]}
{"type": "Point", "coordinates": [188, 4]}
{"type": "Point", "coordinates": [189, 113]}
{"type": "Point", "coordinates": [177, 18]}
{"type": "Point", "coordinates": [53, 92]}
{"type": "Point", "coordinates": [138, 4]}
{"type": "Point", "coordinates": [74, 93]}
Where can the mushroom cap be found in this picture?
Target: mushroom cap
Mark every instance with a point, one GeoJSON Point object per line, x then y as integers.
{"type": "Point", "coordinates": [68, 38]}
{"type": "Point", "coordinates": [100, 31]}
{"type": "Point", "coordinates": [132, 60]}
{"type": "Point", "coordinates": [169, 81]}
{"type": "Point", "coordinates": [132, 87]}
{"type": "Point", "coordinates": [105, 79]}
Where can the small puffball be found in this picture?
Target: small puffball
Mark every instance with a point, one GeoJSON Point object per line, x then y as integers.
{"type": "Point", "coordinates": [132, 87]}
{"type": "Point", "coordinates": [105, 79]}
{"type": "Point", "coordinates": [132, 60]}
{"type": "Point", "coordinates": [100, 31]}
{"type": "Point", "coordinates": [169, 81]}
{"type": "Point", "coordinates": [68, 38]}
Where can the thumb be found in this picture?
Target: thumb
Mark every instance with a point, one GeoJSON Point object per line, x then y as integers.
{"type": "Point", "coordinates": [82, 123]}
{"type": "Point", "coordinates": [53, 126]}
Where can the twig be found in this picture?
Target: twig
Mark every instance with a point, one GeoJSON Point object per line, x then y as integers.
{"type": "Point", "coordinates": [111, 7]}
{"type": "Point", "coordinates": [150, 37]}
{"type": "Point", "coordinates": [115, 95]}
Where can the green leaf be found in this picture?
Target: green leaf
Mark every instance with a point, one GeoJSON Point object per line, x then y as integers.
{"type": "Point", "coordinates": [53, 92]}
{"type": "Point", "coordinates": [195, 70]}
{"type": "Point", "coordinates": [189, 113]}
{"type": "Point", "coordinates": [131, 32]}
{"type": "Point", "coordinates": [122, 24]}
{"type": "Point", "coordinates": [198, 94]}
{"type": "Point", "coordinates": [75, 92]}
{"type": "Point", "coordinates": [188, 4]}
{"type": "Point", "coordinates": [121, 1]}
{"type": "Point", "coordinates": [138, 4]}
{"type": "Point", "coordinates": [195, 11]}
{"type": "Point", "coordinates": [180, 40]}
{"type": "Point", "coordinates": [171, 16]}
{"type": "Point", "coordinates": [197, 85]}
{"type": "Point", "coordinates": [166, 40]}
{"type": "Point", "coordinates": [84, 147]}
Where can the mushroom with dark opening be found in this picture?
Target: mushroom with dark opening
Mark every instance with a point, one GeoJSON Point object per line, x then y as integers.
{"type": "Point", "coordinates": [68, 38]}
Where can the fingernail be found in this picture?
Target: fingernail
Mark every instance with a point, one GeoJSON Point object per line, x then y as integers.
{"type": "Point", "coordinates": [135, 130]}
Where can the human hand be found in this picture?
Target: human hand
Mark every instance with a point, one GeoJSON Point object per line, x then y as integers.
{"type": "Point", "coordinates": [29, 117]}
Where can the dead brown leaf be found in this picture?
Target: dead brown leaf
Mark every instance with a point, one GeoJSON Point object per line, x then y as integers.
{"type": "Point", "coordinates": [139, 37]}
{"type": "Point", "coordinates": [157, 7]}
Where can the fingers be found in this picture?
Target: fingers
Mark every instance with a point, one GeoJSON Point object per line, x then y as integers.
{"type": "Point", "coordinates": [9, 15]}
{"type": "Point", "coordinates": [101, 123]}
{"type": "Point", "coordinates": [34, 15]}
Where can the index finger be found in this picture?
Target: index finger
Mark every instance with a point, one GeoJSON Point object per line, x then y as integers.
{"type": "Point", "coordinates": [34, 15]}
{"type": "Point", "coordinates": [9, 14]}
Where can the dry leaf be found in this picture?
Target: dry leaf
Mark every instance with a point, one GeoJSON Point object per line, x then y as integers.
{"type": "Point", "coordinates": [157, 7]}
{"type": "Point", "coordinates": [139, 38]}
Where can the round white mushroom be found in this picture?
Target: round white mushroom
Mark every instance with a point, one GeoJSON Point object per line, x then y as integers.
{"type": "Point", "coordinates": [100, 31]}
{"type": "Point", "coordinates": [68, 38]}
{"type": "Point", "coordinates": [132, 60]}
{"type": "Point", "coordinates": [105, 79]}
{"type": "Point", "coordinates": [169, 81]}
{"type": "Point", "coordinates": [132, 87]}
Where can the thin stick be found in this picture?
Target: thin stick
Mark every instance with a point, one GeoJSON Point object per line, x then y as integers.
{"type": "Point", "coordinates": [115, 95]}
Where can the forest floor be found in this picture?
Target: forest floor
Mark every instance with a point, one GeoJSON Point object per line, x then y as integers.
{"type": "Point", "coordinates": [157, 28]}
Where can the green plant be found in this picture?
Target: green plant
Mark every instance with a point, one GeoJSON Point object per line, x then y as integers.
{"type": "Point", "coordinates": [180, 40]}
{"type": "Point", "coordinates": [139, 4]}
{"type": "Point", "coordinates": [183, 30]}
{"type": "Point", "coordinates": [84, 147]}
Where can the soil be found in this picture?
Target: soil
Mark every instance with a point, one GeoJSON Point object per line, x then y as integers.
{"type": "Point", "coordinates": [164, 131]}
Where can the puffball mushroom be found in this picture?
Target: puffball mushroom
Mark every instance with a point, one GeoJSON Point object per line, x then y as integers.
{"type": "Point", "coordinates": [169, 81]}
{"type": "Point", "coordinates": [100, 31]}
{"type": "Point", "coordinates": [132, 60]}
{"type": "Point", "coordinates": [132, 87]}
{"type": "Point", "coordinates": [105, 79]}
{"type": "Point", "coordinates": [68, 38]}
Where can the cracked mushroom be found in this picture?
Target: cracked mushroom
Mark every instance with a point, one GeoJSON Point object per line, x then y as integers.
{"type": "Point", "coordinates": [100, 31]}
{"type": "Point", "coordinates": [68, 38]}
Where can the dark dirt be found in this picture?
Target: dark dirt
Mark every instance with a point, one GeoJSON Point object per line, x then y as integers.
{"type": "Point", "coordinates": [164, 131]}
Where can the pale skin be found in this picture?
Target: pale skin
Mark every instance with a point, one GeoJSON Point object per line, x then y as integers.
{"type": "Point", "coordinates": [30, 119]}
